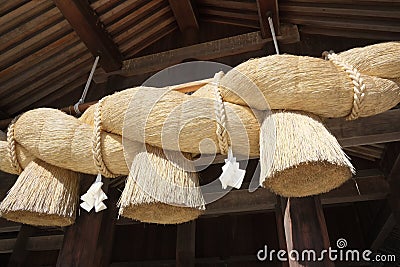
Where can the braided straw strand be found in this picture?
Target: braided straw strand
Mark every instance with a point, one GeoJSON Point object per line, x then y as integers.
{"type": "Point", "coordinates": [11, 146]}
{"type": "Point", "coordinates": [96, 148]}
{"type": "Point", "coordinates": [220, 113]}
{"type": "Point", "coordinates": [358, 82]}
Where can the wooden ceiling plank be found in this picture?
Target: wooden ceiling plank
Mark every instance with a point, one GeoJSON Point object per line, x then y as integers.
{"type": "Point", "coordinates": [119, 11]}
{"type": "Point", "coordinates": [8, 5]}
{"type": "Point", "coordinates": [339, 23]}
{"type": "Point", "coordinates": [268, 8]}
{"type": "Point", "coordinates": [146, 33]}
{"type": "Point", "coordinates": [37, 57]}
{"type": "Point", "coordinates": [74, 74]}
{"type": "Point", "coordinates": [29, 28]}
{"type": "Point", "coordinates": [125, 35]}
{"type": "Point", "coordinates": [88, 27]}
{"type": "Point", "coordinates": [60, 93]}
{"type": "Point", "coordinates": [184, 14]}
{"type": "Point", "coordinates": [31, 74]}
{"type": "Point", "coordinates": [229, 14]}
{"type": "Point", "coordinates": [355, 11]}
{"type": "Point", "coordinates": [36, 42]}
{"type": "Point", "coordinates": [134, 17]}
{"type": "Point", "coordinates": [205, 51]}
{"type": "Point", "coordinates": [235, 22]}
{"type": "Point", "coordinates": [364, 34]}
{"type": "Point", "coordinates": [237, 5]}
{"type": "Point", "coordinates": [32, 8]}
{"type": "Point", "coordinates": [56, 72]}
{"type": "Point", "coordinates": [151, 39]}
{"type": "Point", "coordinates": [103, 5]}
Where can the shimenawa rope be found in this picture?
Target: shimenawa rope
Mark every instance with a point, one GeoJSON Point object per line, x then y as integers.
{"type": "Point", "coordinates": [11, 146]}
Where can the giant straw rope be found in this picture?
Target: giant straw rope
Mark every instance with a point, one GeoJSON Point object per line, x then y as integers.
{"type": "Point", "coordinates": [359, 82]}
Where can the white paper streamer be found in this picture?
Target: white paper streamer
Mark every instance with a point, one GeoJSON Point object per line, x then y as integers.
{"type": "Point", "coordinates": [231, 175]}
{"type": "Point", "coordinates": [94, 197]}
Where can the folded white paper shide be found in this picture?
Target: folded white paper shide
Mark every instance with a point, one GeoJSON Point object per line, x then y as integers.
{"type": "Point", "coordinates": [94, 197]}
{"type": "Point", "coordinates": [231, 175]}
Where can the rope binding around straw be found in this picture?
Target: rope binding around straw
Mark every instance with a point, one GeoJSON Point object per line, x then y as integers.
{"type": "Point", "coordinates": [11, 146]}
{"type": "Point", "coordinates": [357, 80]}
{"type": "Point", "coordinates": [222, 133]}
{"type": "Point", "coordinates": [96, 148]}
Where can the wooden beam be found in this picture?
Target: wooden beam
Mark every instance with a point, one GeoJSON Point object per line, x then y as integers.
{"type": "Point", "coordinates": [205, 51]}
{"type": "Point", "coordinates": [268, 8]}
{"type": "Point", "coordinates": [279, 212]}
{"type": "Point", "coordinates": [81, 239]}
{"type": "Point", "coordinates": [238, 201]}
{"type": "Point", "coordinates": [381, 128]}
{"type": "Point", "coordinates": [90, 30]}
{"type": "Point", "coordinates": [305, 229]}
{"type": "Point", "coordinates": [35, 243]}
{"type": "Point", "coordinates": [371, 183]}
{"type": "Point", "coordinates": [184, 14]}
{"type": "Point", "coordinates": [185, 244]}
{"type": "Point", "coordinates": [19, 254]}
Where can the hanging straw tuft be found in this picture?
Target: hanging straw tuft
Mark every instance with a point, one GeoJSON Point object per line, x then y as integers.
{"type": "Point", "coordinates": [43, 195]}
{"type": "Point", "coordinates": [160, 189]}
{"type": "Point", "coordinates": [305, 158]}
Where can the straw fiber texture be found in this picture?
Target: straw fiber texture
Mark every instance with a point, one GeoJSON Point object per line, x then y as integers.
{"type": "Point", "coordinates": [154, 180]}
{"type": "Point", "coordinates": [306, 159]}
{"type": "Point", "coordinates": [42, 195]}
{"type": "Point", "coordinates": [158, 116]}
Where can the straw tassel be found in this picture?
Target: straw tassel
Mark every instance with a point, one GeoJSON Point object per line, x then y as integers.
{"type": "Point", "coordinates": [160, 189]}
{"type": "Point", "coordinates": [43, 195]}
{"type": "Point", "coordinates": [299, 157]}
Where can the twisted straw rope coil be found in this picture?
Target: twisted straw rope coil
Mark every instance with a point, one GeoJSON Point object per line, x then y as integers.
{"type": "Point", "coordinates": [318, 86]}
{"type": "Point", "coordinates": [288, 82]}
{"type": "Point", "coordinates": [97, 144]}
{"type": "Point", "coordinates": [12, 147]}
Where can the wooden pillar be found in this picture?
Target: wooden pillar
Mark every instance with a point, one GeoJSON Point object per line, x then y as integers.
{"type": "Point", "coordinates": [87, 242]}
{"type": "Point", "coordinates": [305, 229]}
{"type": "Point", "coordinates": [280, 227]}
{"type": "Point", "coordinates": [20, 253]}
{"type": "Point", "coordinates": [185, 244]}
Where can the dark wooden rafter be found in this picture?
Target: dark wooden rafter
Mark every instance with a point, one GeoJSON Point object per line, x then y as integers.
{"type": "Point", "coordinates": [184, 14]}
{"type": "Point", "coordinates": [186, 19]}
{"type": "Point", "coordinates": [91, 31]}
{"type": "Point", "coordinates": [268, 8]}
